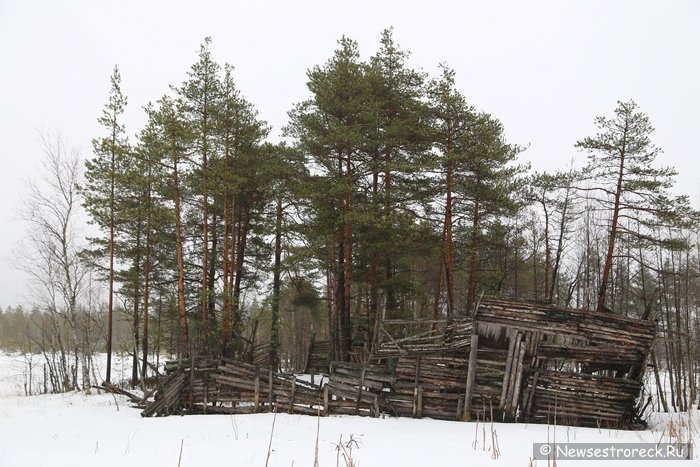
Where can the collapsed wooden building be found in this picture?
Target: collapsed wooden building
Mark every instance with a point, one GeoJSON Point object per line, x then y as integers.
{"type": "Point", "coordinates": [512, 361]}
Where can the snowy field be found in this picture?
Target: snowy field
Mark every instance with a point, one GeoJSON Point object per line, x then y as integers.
{"type": "Point", "coordinates": [75, 429]}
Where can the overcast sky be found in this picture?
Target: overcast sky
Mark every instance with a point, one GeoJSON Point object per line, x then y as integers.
{"type": "Point", "coordinates": [544, 68]}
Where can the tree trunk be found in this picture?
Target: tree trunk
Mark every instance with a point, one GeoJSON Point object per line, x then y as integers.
{"type": "Point", "coordinates": [332, 297]}
{"type": "Point", "coordinates": [473, 256]}
{"type": "Point", "coordinates": [340, 298]}
{"type": "Point", "coordinates": [243, 228]}
{"type": "Point", "coordinates": [547, 256]}
{"type": "Point", "coordinates": [560, 245]}
{"type": "Point", "coordinates": [184, 334]}
{"type": "Point", "coordinates": [374, 270]}
{"type": "Point", "coordinates": [346, 324]}
{"type": "Point", "coordinates": [205, 249]}
{"type": "Point", "coordinates": [613, 233]}
{"type": "Point", "coordinates": [449, 256]}
{"type": "Point", "coordinates": [227, 265]}
{"type": "Point", "coordinates": [209, 336]}
{"type": "Point", "coordinates": [137, 311]}
{"type": "Point", "coordinates": [388, 260]}
{"type": "Point", "coordinates": [438, 290]}
{"type": "Point", "coordinates": [274, 361]}
{"type": "Point", "coordinates": [146, 291]}
{"type": "Point", "coordinates": [110, 305]}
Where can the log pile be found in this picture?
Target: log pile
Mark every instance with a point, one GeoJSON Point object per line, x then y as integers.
{"type": "Point", "coordinates": [595, 329]}
{"type": "Point", "coordinates": [428, 386]}
{"type": "Point", "coordinates": [251, 389]}
{"type": "Point", "coordinates": [514, 361]}
{"type": "Point", "coordinates": [356, 389]}
{"type": "Point", "coordinates": [231, 387]}
{"type": "Point", "coordinates": [318, 361]}
{"type": "Point", "coordinates": [584, 365]}
{"type": "Point", "coordinates": [168, 396]}
{"type": "Point", "coordinates": [451, 339]}
{"type": "Point", "coordinates": [579, 399]}
{"type": "Point", "coordinates": [261, 354]}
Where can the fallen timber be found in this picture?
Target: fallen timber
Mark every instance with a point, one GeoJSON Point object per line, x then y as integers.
{"type": "Point", "coordinates": [511, 361]}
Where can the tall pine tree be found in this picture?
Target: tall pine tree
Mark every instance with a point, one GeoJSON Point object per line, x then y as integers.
{"type": "Point", "coordinates": [626, 183]}
{"type": "Point", "coordinates": [100, 191]}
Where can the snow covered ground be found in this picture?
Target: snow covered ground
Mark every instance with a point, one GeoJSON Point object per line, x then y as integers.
{"type": "Point", "coordinates": [74, 429]}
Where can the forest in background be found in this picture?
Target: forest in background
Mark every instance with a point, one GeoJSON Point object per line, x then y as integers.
{"type": "Point", "coordinates": [390, 198]}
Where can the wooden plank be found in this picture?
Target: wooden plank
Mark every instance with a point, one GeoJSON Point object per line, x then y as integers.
{"type": "Point", "coordinates": [518, 379]}
{"type": "Point", "coordinates": [294, 386]}
{"type": "Point", "coordinates": [256, 387]}
{"type": "Point", "coordinates": [514, 338]}
{"type": "Point", "coordinates": [471, 373]}
{"type": "Point", "coordinates": [270, 389]}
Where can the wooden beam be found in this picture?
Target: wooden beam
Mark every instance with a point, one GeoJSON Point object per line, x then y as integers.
{"type": "Point", "coordinates": [513, 338]}
{"type": "Point", "coordinates": [471, 374]}
{"type": "Point", "coordinates": [417, 399]}
{"type": "Point", "coordinates": [517, 383]}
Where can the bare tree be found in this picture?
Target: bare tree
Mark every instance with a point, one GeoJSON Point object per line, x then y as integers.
{"type": "Point", "coordinates": [49, 254]}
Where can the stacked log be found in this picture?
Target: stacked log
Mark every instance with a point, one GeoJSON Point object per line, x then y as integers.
{"type": "Point", "coordinates": [357, 389]}
{"type": "Point", "coordinates": [579, 399]}
{"type": "Point", "coordinates": [584, 340]}
{"type": "Point", "coordinates": [596, 328]}
{"type": "Point", "coordinates": [261, 354]}
{"type": "Point", "coordinates": [515, 361]}
{"type": "Point", "coordinates": [453, 339]}
{"type": "Point", "coordinates": [488, 382]}
{"type": "Point", "coordinates": [232, 387]}
{"type": "Point", "coordinates": [253, 389]}
{"type": "Point", "coordinates": [168, 400]}
{"type": "Point", "coordinates": [428, 386]}
{"type": "Point", "coordinates": [319, 359]}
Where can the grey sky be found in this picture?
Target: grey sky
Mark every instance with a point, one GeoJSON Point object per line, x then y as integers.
{"type": "Point", "coordinates": [544, 68]}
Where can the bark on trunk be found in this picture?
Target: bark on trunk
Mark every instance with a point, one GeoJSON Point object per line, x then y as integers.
{"type": "Point", "coordinates": [136, 311]}
{"type": "Point", "coordinates": [388, 260]}
{"type": "Point", "coordinates": [146, 292]}
{"type": "Point", "coordinates": [205, 249]}
{"type": "Point", "coordinates": [110, 306]}
{"type": "Point", "coordinates": [347, 241]}
{"type": "Point", "coordinates": [211, 284]}
{"type": "Point", "coordinates": [228, 267]}
{"type": "Point", "coordinates": [602, 293]}
{"type": "Point", "coordinates": [449, 257]}
{"type": "Point", "coordinates": [184, 332]}
{"type": "Point", "coordinates": [243, 227]}
{"type": "Point", "coordinates": [547, 255]}
{"type": "Point", "coordinates": [560, 246]}
{"type": "Point", "coordinates": [274, 361]}
{"type": "Point", "coordinates": [473, 256]}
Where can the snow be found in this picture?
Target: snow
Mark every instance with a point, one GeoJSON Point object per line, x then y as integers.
{"type": "Point", "coordinates": [75, 429]}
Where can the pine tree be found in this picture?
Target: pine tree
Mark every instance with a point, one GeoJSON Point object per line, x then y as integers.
{"type": "Point", "coordinates": [284, 173]}
{"type": "Point", "coordinates": [171, 140]}
{"type": "Point", "coordinates": [397, 139]}
{"type": "Point", "coordinates": [453, 121]}
{"type": "Point", "coordinates": [100, 188]}
{"type": "Point", "coordinates": [476, 173]}
{"type": "Point", "coordinates": [145, 175]}
{"type": "Point", "coordinates": [331, 128]}
{"type": "Point", "coordinates": [200, 99]}
{"type": "Point", "coordinates": [237, 187]}
{"type": "Point", "coordinates": [621, 157]}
